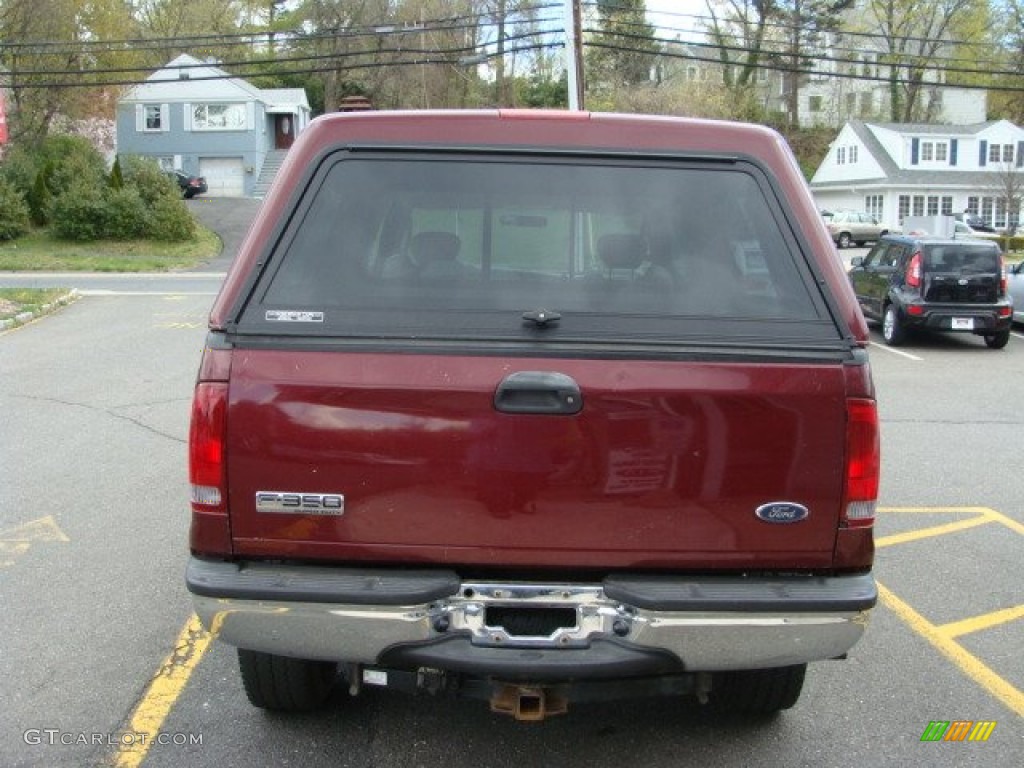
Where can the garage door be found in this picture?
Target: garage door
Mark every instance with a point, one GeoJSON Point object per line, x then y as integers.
{"type": "Point", "coordinates": [224, 176]}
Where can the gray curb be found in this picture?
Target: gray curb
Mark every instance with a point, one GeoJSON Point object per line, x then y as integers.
{"type": "Point", "coordinates": [45, 309]}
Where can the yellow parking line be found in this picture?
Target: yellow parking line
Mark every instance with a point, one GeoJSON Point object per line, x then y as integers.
{"type": "Point", "coordinates": [936, 530]}
{"type": "Point", "coordinates": [162, 693]}
{"type": "Point", "coordinates": [978, 623]}
{"type": "Point", "coordinates": [970, 665]}
{"type": "Point", "coordinates": [1009, 522]}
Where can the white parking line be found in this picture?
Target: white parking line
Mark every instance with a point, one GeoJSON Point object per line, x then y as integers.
{"type": "Point", "coordinates": [899, 352]}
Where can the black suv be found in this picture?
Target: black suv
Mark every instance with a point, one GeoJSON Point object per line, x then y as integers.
{"type": "Point", "coordinates": [908, 283]}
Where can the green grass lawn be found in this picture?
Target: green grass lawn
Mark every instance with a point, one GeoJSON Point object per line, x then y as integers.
{"type": "Point", "coordinates": [40, 252]}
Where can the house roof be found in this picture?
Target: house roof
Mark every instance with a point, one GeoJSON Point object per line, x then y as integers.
{"type": "Point", "coordinates": [186, 78]}
{"type": "Point", "coordinates": [892, 173]}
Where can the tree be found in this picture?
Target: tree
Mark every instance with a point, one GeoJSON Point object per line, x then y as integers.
{"type": "Point", "coordinates": [913, 36]}
{"type": "Point", "coordinates": [1007, 187]}
{"type": "Point", "coordinates": [737, 29]}
{"type": "Point", "coordinates": [623, 52]}
{"type": "Point", "coordinates": [802, 25]}
{"type": "Point", "coordinates": [1009, 103]}
{"type": "Point", "coordinates": [54, 50]}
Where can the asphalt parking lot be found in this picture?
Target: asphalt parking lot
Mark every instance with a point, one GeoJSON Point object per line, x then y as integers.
{"type": "Point", "coordinates": [100, 650]}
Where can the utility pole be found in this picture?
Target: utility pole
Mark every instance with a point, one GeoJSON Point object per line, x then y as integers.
{"type": "Point", "coordinates": [574, 53]}
{"type": "Point", "coordinates": [500, 72]}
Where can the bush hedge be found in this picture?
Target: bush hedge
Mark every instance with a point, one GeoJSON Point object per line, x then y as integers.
{"type": "Point", "coordinates": [63, 183]}
{"type": "Point", "coordinates": [14, 213]}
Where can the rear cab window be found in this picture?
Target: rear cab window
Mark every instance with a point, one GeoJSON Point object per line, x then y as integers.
{"type": "Point", "coordinates": [415, 245]}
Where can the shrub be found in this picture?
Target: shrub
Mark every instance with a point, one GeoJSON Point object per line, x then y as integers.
{"type": "Point", "coordinates": [125, 216]}
{"type": "Point", "coordinates": [170, 220]}
{"type": "Point", "coordinates": [14, 215]}
{"type": "Point", "coordinates": [79, 213]}
{"type": "Point", "coordinates": [39, 199]}
{"type": "Point", "coordinates": [73, 161]}
{"type": "Point", "coordinates": [148, 178]}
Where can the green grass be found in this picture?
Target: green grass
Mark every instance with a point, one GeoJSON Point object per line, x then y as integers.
{"type": "Point", "coordinates": [14, 301]}
{"type": "Point", "coordinates": [40, 252]}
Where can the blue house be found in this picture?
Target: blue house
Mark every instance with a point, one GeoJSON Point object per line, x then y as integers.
{"type": "Point", "coordinates": [197, 118]}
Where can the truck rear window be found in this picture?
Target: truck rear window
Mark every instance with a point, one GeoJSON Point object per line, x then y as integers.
{"type": "Point", "coordinates": [389, 245]}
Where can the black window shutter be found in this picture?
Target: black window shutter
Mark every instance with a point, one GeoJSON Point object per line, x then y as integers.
{"type": "Point", "coordinates": [915, 146]}
{"type": "Point", "coordinates": [982, 153]}
{"type": "Point", "coordinates": [952, 151]}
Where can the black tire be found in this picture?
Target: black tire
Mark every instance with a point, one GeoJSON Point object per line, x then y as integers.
{"type": "Point", "coordinates": [844, 240]}
{"type": "Point", "coordinates": [283, 684]}
{"type": "Point", "coordinates": [997, 340]}
{"type": "Point", "coordinates": [893, 332]}
{"type": "Point", "coordinates": [757, 691]}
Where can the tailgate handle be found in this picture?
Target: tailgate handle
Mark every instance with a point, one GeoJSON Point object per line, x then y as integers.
{"type": "Point", "coordinates": [542, 392]}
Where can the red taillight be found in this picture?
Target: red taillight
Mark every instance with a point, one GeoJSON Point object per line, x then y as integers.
{"type": "Point", "coordinates": [863, 463]}
{"type": "Point", "coordinates": [914, 271]}
{"type": "Point", "coordinates": [206, 446]}
{"type": "Point", "coordinates": [1002, 276]}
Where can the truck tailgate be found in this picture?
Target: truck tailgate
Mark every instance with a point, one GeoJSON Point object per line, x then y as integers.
{"type": "Point", "coordinates": [358, 457]}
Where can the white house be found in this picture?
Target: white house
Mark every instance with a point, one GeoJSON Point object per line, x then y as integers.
{"type": "Point", "coordinates": [192, 116]}
{"type": "Point", "coordinates": [899, 170]}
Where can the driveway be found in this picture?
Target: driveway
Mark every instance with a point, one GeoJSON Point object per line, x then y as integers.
{"type": "Point", "coordinates": [230, 218]}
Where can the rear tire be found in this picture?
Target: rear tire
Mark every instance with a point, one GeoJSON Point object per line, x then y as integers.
{"type": "Point", "coordinates": [893, 331]}
{"type": "Point", "coordinates": [284, 684]}
{"type": "Point", "coordinates": [757, 691]}
{"type": "Point", "coordinates": [997, 340]}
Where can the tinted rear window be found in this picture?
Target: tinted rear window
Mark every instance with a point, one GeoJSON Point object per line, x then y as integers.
{"type": "Point", "coordinates": [963, 256]}
{"type": "Point", "coordinates": [447, 247]}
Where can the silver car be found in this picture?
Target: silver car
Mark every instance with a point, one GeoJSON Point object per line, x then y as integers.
{"type": "Point", "coordinates": [849, 227]}
{"type": "Point", "coordinates": [1015, 286]}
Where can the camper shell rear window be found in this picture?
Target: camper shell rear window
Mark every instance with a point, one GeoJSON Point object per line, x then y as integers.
{"type": "Point", "coordinates": [517, 247]}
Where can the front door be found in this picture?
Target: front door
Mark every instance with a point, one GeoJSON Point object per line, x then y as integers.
{"type": "Point", "coordinates": [284, 131]}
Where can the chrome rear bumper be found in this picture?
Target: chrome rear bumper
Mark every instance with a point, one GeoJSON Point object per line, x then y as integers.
{"type": "Point", "coordinates": [541, 631]}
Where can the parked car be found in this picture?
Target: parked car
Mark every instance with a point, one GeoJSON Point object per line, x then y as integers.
{"type": "Point", "coordinates": [848, 227]}
{"type": "Point", "coordinates": [1015, 287]}
{"type": "Point", "coordinates": [490, 406]}
{"type": "Point", "coordinates": [190, 186]}
{"type": "Point", "coordinates": [974, 221]}
{"type": "Point", "coordinates": [910, 283]}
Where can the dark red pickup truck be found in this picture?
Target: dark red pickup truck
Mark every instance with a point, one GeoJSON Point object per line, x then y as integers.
{"type": "Point", "coordinates": [537, 407]}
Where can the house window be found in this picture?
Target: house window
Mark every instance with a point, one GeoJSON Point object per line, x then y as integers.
{"type": "Point", "coordinates": [841, 156]}
{"type": "Point", "coordinates": [1000, 153]}
{"type": "Point", "coordinates": [933, 205]}
{"type": "Point", "coordinates": [166, 163]}
{"type": "Point", "coordinates": [152, 117]}
{"type": "Point", "coordinates": [1000, 220]}
{"type": "Point", "coordinates": [972, 205]}
{"type": "Point", "coordinates": [947, 206]}
{"type": "Point", "coordinates": [873, 205]}
{"type": "Point", "coordinates": [918, 205]}
{"type": "Point", "coordinates": [904, 207]}
{"type": "Point", "coordinates": [218, 117]}
{"type": "Point", "coordinates": [934, 152]}
{"type": "Point", "coordinates": [853, 154]}
{"type": "Point", "coordinates": [814, 103]}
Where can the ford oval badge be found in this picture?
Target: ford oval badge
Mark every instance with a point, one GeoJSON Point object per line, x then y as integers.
{"type": "Point", "coordinates": [782, 512]}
